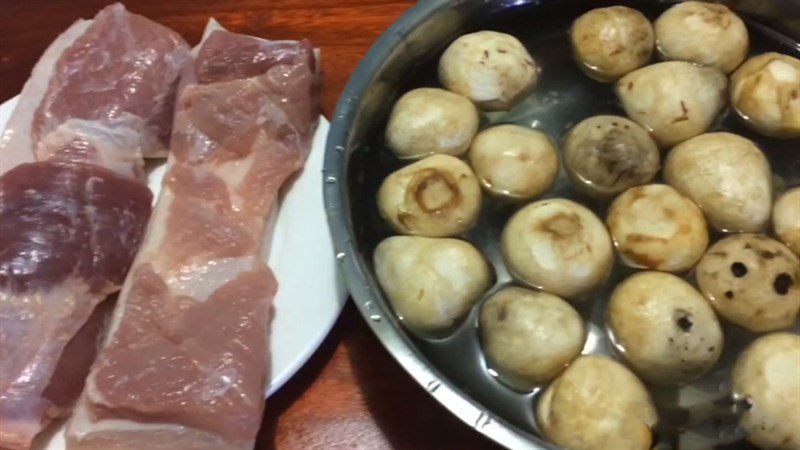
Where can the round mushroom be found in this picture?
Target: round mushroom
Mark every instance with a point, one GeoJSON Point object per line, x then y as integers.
{"type": "Point", "coordinates": [751, 280]}
{"type": "Point", "coordinates": [609, 42]}
{"type": "Point", "coordinates": [529, 337]}
{"type": "Point", "coordinates": [664, 328]}
{"type": "Point", "coordinates": [765, 92]}
{"type": "Point", "coordinates": [430, 121]}
{"type": "Point", "coordinates": [766, 377]}
{"type": "Point", "coordinates": [492, 69]}
{"type": "Point", "coordinates": [703, 33]}
{"type": "Point", "coordinates": [786, 219]}
{"type": "Point", "coordinates": [438, 196]}
{"type": "Point", "coordinates": [727, 176]}
{"type": "Point", "coordinates": [604, 155]}
{"type": "Point", "coordinates": [514, 162]}
{"type": "Point", "coordinates": [655, 227]}
{"type": "Point", "coordinates": [602, 399]}
{"type": "Point", "coordinates": [431, 283]}
{"type": "Point", "coordinates": [559, 246]}
{"type": "Point", "coordinates": [674, 100]}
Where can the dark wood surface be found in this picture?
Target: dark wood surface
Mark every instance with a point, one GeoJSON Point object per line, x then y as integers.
{"type": "Point", "coordinates": [351, 394]}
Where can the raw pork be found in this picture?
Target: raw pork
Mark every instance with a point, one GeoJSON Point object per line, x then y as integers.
{"type": "Point", "coordinates": [103, 91]}
{"type": "Point", "coordinates": [68, 234]}
{"type": "Point", "coordinates": [72, 207]}
{"type": "Point", "coordinates": [185, 363]}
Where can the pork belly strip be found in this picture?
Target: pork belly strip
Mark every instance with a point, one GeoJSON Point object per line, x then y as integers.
{"type": "Point", "coordinates": [103, 93]}
{"type": "Point", "coordinates": [68, 234]}
{"type": "Point", "coordinates": [185, 362]}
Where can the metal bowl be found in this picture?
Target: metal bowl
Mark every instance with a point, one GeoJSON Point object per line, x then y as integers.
{"type": "Point", "coordinates": [452, 369]}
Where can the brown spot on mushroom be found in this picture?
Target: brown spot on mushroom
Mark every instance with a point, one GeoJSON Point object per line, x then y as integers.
{"type": "Point", "coordinates": [766, 254]}
{"type": "Point", "coordinates": [729, 294]}
{"type": "Point", "coordinates": [502, 50]}
{"type": "Point", "coordinates": [641, 258]}
{"type": "Point", "coordinates": [433, 191]}
{"type": "Point", "coordinates": [712, 348]}
{"type": "Point", "coordinates": [669, 213]}
{"type": "Point", "coordinates": [720, 253]}
{"type": "Point", "coordinates": [420, 294]}
{"type": "Point", "coordinates": [684, 320]}
{"type": "Point", "coordinates": [561, 225]}
{"type": "Point", "coordinates": [783, 282]}
{"type": "Point", "coordinates": [486, 54]}
{"type": "Point", "coordinates": [738, 269]}
{"type": "Point", "coordinates": [630, 85]}
{"type": "Point", "coordinates": [404, 217]}
{"type": "Point", "coordinates": [684, 116]}
{"type": "Point", "coordinates": [502, 313]}
{"type": "Point", "coordinates": [638, 238]}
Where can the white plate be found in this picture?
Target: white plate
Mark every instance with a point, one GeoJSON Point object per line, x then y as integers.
{"type": "Point", "coordinates": [301, 249]}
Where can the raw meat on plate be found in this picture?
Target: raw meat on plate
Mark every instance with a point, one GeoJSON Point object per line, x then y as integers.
{"type": "Point", "coordinates": [68, 234]}
{"type": "Point", "coordinates": [102, 93]}
{"type": "Point", "coordinates": [185, 362]}
{"type": "Point", "coordinates": [73, 208]}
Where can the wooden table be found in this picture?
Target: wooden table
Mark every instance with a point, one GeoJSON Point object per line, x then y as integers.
{"type": "Point", "coordinates": [351, 394]}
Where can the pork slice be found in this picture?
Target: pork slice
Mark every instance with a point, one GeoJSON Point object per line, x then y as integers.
{"type": "Point", "coordinates": [125, 67]}
{"type": "Point", "coordinates": [68, 233]}
{"type": "Point", "coordinates": [16, 144]}
{"type": "Point", "coordinates": [185, 361]}
{"type": "Point", "coordinates": [103, 93]}
{"type": "Point", "coordinates": [225, 56]}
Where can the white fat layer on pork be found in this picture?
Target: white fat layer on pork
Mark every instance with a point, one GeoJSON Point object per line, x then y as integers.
{"type": "Point", "coordinates": [118, 143]}
{"type": "Point", "coordinates": [16, 142]}
{"type": "Point", "coordinates": [84, 427]}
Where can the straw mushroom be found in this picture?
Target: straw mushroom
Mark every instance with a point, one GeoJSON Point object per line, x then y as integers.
{"type": "Point", "coordinates": [528, 336]}
{"type": "Point", "coordinates": [766, 378]}
{"type": "Point", "coordinates": [438, 196]}
{"type": "Point", "coordinates": [674, 100]}
{"type": "Point", "coordinates": [429, 121]}
{"type": "Point", "coordinates": [604, 155]}
{"type": "Point", "coordinates": [609, 42]}
{"type": "Point", "coordinates": [559, 246]}
{"type": "Point", "coordinates": [431, 283]}
{"type": "Point", "coordinates": [786, 219]}
{"type": "Point", "coordinates": [514, 162]}
{"type": "Point", "coordinates": [492, 69]}
{"type": "Point", "coordinates": [665, 328]}
{"type": "Point", "coordinates": [597, 404]}
{"type": "Point", "coordinates": [765, 92]}
{"type": "Point", "coordinates": [655, 227]}
{"type": "Point", "coordinates": [751, 280]}
{"type": "Point", "coordinates": [727, 176]}
{"type": "Point", "coordinates": [703, 33]}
